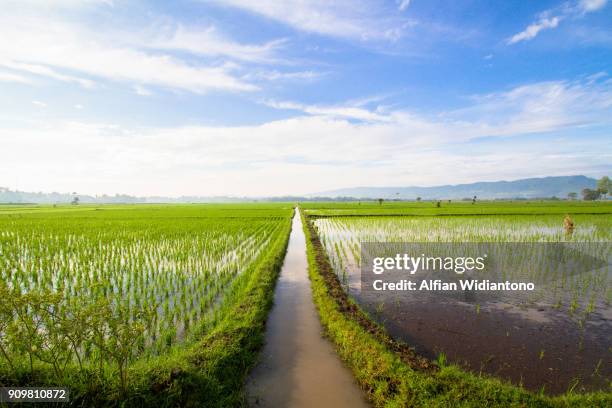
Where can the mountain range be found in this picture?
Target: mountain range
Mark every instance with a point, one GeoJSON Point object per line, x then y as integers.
{"type": "Point", "coordinates": [524, 188]}
{"type": "Point", "coordinates": [544, 187]}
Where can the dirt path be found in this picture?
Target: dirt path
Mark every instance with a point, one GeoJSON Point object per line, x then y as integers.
{"type": "Point", "coordinates": [299, 367]}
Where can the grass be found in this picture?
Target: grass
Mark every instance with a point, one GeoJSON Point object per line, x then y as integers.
{"type": "Point", "coordinates": [386, 371]}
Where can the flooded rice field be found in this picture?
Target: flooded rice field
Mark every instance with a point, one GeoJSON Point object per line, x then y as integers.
{"type": "Point", "coordinates": [553, 339]}
{"type": "Point", "coordinates": [177, 270]}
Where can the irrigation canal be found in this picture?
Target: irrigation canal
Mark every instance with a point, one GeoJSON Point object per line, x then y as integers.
{"type": "Point", "coordinates": [298, 366]}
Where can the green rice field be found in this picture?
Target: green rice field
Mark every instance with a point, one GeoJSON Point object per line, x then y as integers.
{"type": "Point", "coordinates": [551, 340]}
{"type": "Point", "coordinates": [166, 304]}
{"type": "Point", "coordinates": [92, 291]}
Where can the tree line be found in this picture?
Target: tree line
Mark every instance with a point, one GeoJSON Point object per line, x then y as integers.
{"type": "Point", "coordinates": [604, 187]}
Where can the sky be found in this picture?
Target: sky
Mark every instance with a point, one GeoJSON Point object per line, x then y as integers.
{"type": "Point", "coordinates": [270, 97]}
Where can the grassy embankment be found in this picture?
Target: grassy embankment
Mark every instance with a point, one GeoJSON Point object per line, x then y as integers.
{"type": "Point", "coordinates": [389, 372]}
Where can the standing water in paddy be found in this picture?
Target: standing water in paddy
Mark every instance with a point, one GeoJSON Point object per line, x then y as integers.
{"type": "Point", "coordinates": [553, 339]}
{"type": "Point", "coordinates": [299, 367]}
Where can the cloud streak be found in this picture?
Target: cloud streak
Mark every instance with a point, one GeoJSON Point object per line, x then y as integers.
{"type": "Point", "coordinates": [358, 20]}
{"type": "Point", "coordinates": [592, 5]}
{"type": "Point", "coordinates": [41, 70]}
{"type": "Point", "coordinates": [534, 29]}
{"type": "Point", "coordinates": [402, 4]}
{"type": "Point", "coordinates": [347, 112]}
{"type": "Point", "coordinates": [11, 77]}
{"type": "Point", "coordinates": [209, 42]}
{"type": "Point", "coordinates": [550, 19]}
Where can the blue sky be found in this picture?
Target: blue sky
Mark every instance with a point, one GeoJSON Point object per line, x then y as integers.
{"type": "Point", "coordinates": [248, 98]}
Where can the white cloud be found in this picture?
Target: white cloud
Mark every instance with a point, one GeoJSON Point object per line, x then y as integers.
{"type": "Point", "coordinates": [292, 156]}
{"type": "Point", "coordinates": [47, 72]}
{"type": "Point", "coordinates": [39, 104]}
{"type": "Point", "coordinates": [402, 4]}
{"type": "Point", "coordinates": [210, 42]}
{"type": "Point", "coordinates": [47, 45]}
{"type": "Point", "coordinates": [592, 5]}
{"type": "Point", "coordinates": [142, 91]}
{"type": "Point", "coordinates": [538, 107]}
{"type": "Point", "coordinates": [361, 20]}
{"type": "Point", "coordinates": [533, 29]}
{"type": "Point", "coordinates": [321, 148]}
{"type": "Point", "coordinates": [550, 19]}
{"type": "Point", "coordinates": [595, 77]}
{"type": "Point", "coordinates": [66, 4]}
{"type": "Point", "coordinates": [275, 75]}
{"type": "Point", "coordinates": [541, 107]}
{"type": "Point", "coordinates": [348, 112]}
{"type": "Point", "coordinates": [10, 77]}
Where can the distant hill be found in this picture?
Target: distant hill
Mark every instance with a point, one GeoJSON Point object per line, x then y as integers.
{"type": "Point", "coordinates": [20, 197]}
{"type": "Point", "coordinates": [8, 196]}
{"type": "Point", "coordinates": [525, 188]}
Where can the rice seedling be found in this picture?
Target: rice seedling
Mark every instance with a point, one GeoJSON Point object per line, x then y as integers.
{"type": "Point", "coordinates": [441, 360]}
{"type": "Point", "coordinates": [583, 291]}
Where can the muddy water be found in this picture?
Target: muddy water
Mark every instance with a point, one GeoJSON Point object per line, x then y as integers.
{"type": "Point", "coordinates": [299, 367]}
{"type": "Point", "coordinates": [531, 339]}
{"type": "Point", "coordinates": [536, 346]}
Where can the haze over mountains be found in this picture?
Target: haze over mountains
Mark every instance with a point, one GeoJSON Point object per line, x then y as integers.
{"type": "Point", "coordinates": [525, 188]}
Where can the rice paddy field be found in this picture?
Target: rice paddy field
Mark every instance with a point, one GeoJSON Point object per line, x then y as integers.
{"type": "Point", "coordinates": [99, 292]}
{"type": "Point", "coordinates": [166, 305]}
{"type": "Point", "coordinates": [553, 340]}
